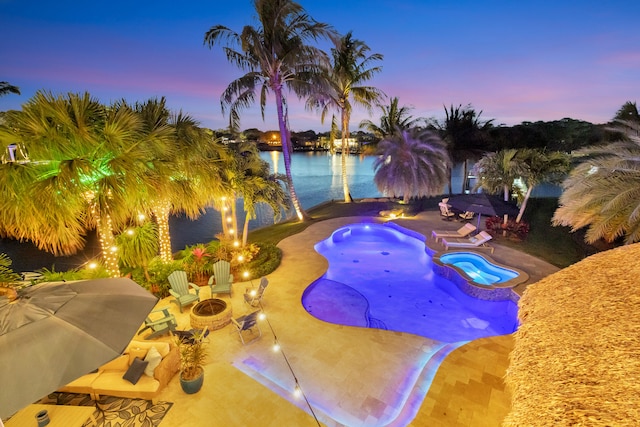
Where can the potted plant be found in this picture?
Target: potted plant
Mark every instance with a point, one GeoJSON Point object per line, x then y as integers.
{"type": "Point", "coordinates": [193, 355]}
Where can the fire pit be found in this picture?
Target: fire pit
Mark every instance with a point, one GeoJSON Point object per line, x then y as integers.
{"type": "Point", "coordinates": [213, 313]}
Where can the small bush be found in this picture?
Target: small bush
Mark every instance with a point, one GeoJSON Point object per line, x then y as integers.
{"type": "Point", "coordinates": [496, 227]}
{"type": "Point", "coordinates": [265, 261]}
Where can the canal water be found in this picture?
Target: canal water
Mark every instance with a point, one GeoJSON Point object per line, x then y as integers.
{"type": "Point", "coordinates": [317, 179]}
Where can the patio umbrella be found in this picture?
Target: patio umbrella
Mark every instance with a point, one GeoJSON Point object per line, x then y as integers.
{"type": "Point", "coordinates": [54, 333]}
{"type": "Point", "coordinates": [483, 204]}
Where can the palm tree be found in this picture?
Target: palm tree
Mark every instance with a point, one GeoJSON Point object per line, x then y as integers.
{"type": "Point", "coordinates": [183, 167]}
{"type": "Point", "coordinates": [393, 117]}
{"type": "Point", "coordinates": [465, 135]}
{"type": "Point", "coordinates": [343, 84]}
{"type": "Point", "coordinates": [603, 192]}
{"type": "Point", "coordinates": [411, 163]}
{"type": "Point", "coordinates": [275, 57]}
{"type": "Point", "coordinates": [497, 172]}
{"type": "Point", "coordinates": [77, 178]}
{"type": "Point", "coordinates": [6, 88]}
{"type": "Point", "coordinates": [541, 166]}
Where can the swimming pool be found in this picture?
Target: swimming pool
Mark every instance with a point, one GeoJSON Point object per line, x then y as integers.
{"type": "Point", "coordinates": [380, 276]}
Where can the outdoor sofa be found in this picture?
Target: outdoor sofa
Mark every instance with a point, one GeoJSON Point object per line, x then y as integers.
{"type": "Point", "coordinates": [108, 380]}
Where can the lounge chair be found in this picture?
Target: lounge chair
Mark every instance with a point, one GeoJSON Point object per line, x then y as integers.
{"type": "Point", "coordinates": [445, 212]}
{"type": "Point", "coordinates": [223, 278]}
{"type": "Point", "coordinates": [466, 216]}
{"type": "Point", "coordinates": [159, 324]}
{"type": "Point", "coordinates": [461, 232]}
{"type": "Point", "coordinates": [180, 289]}
{"type": "Point", "coordinates": [478, 241]}
{"type": "Point", "coordinates": [253, 297]}
{"type": "Point", "coordinates": [247, 323]}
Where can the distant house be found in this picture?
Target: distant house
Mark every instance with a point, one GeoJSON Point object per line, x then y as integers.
{"type": "Point", "coordinates": [352, 143]}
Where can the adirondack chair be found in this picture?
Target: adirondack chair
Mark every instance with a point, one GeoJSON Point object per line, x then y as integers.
{"type": "Point", "coordinates": [223, 278]}
{"type": "Point", "coordinates": [253, 297]}
{"type": "Point", "coordinates": [160, 321]}
{"type": "Point", "coordinates": [180, 289]}
{"type": "Point", "coordinates": [247, 323]}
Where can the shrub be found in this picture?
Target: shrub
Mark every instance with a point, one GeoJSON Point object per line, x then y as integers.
{"type": "Point", "coordinates": [496, 227]}
{"type": "Point", "coordinates": [265, 261]}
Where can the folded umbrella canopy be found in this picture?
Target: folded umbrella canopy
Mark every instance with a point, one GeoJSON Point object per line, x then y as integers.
{"type": "Point", "coordinates": [483, 204]}
{"type": "Point", "coordinates": [54, 333]}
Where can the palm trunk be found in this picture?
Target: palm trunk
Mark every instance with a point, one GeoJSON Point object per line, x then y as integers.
{"type": "Point", "coordinates": [286, 155]}
{"type": "Point", "coordinates": [345, 153]}
{"type": "Point", "coordinates": [234, 219]}
{"type": "Point", "coordinates": [465, 172]}
{"type": "Point", "coordinates": [223, 217]}
{"type": "Point", "coordinates": [108, 245]}
{"type": "Point", "coordinates": [449, 173]}
{"type": "Point", "coordinates": [245, 230]}
{"type": "Point", "coordinates": [523, 206]}
{"type": "Point", "coordinates": [161, 212]}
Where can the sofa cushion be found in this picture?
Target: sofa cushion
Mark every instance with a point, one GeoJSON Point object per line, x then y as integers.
{"type": "Point", "coordinates": [135, 371]}
{"type": "Point", "coordinates": [140, 353]}
{"type": "Point", "coordinates": [153, 359]}
{"type": "Point", "coordinates": [162, 346]}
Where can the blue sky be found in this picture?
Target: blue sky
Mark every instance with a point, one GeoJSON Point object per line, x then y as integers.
{"type": "Point", "coordinates": [515, 61]}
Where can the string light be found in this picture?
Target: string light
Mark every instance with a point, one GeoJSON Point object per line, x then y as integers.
{"type": "Point", "coordinates": [240, 258]}
{"type": "Point", "coordinates": [297, 392]}
{"type": "Point", "coordinates": [245, 274]}
{"type": "Point", "coordinates": [236, 243]}
{"type": "Point", "coordinates": [130, 232]}
{"type": "Point", "coordinates": [92, 265]}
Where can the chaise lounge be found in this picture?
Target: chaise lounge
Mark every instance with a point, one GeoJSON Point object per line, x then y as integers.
{"type": "Point", "coordinates": [461, 232]}
{"type": "Point", "coordinates": [478, 241]}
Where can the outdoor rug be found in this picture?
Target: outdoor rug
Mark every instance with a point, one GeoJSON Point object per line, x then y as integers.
{"type": "Point", "coordinates": [115, 411]}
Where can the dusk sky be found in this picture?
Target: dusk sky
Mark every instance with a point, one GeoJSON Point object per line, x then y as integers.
{"type": "Point", "coordinates": [514, 60]}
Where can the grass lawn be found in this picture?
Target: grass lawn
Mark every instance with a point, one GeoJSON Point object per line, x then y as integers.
{"type": "Point", "coordinates": [556, 245]}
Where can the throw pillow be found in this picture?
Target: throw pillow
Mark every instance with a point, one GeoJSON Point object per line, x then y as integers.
{"type": "Point", "coordinates": [135, 371]}
{"type": "Point", "coordinates": [153, 359]}
{"type": "Point", "coordinates": [136, 352]}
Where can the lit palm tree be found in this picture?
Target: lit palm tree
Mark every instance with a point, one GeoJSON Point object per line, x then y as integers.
{"type": "Point", "coordinates": [393, 117]}
{"type": "Point", "coordinates": [603, 192]}
{"type": "Point", "coordinates": [343, 84]}
{"type": "Point", "coordinates": [411, 163]}
{"type": "Point", "coordinates": [181, 173]}
{"type": "Point", "coordinates": [76, 179]}
{"type": "Point", "coordinates": [275, 57]}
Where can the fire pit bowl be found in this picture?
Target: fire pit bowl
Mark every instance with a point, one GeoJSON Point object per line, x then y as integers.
{"type": "Point", "coordinates": [213, 313]}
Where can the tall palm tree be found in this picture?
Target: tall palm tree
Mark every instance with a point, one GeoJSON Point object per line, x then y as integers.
{"type": "Point", "coordinates": [393, 117]}
{"type": "Point", "coordinates": [182, 167]}
{"type": "Point", "coordinates": [602, 193]}
{"type": "Point", "coordinates": [6, 88]}
{"type": "Point", "coordinates": [275, 56]}
{"type": "Point", "coordinates": [465, 135]}
{"type": "Point", "coordinates": [343, 84]}
{"type": "Point", "coordinates": [411, 163]}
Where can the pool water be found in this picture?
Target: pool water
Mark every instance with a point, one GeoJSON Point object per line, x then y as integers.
{"type": "Point", "coordinates": [479, 269]}
{"type": "Point", "coordinates": [380, 276]}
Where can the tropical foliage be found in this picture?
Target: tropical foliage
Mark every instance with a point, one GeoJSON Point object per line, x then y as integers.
{"type": "Point", "coordinates": [343, 84]}
{"type": "Point", "coordinates": [500, 172]}
{"type": "Point", "coordinates": [6, 88]}
{"type": "Point", "coordinates": [466, 137]}
{"type": "Point", "coordinates": [393, 116]}
{"type": "Point", "coordinates": [602, 193]}
{"type": "Point", "coordinates": [276, 56]}
{"type": "Point", "coordinates": [411, 163]}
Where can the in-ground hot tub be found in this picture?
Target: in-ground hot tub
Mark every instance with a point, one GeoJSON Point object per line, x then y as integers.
{"type": "Point", "coordinates": [477, 273]}
{"type": "Point", "coordinates": [212, 313]}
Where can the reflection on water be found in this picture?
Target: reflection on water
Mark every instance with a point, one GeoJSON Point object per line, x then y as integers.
{"type": "Point", "coordinates": [317, 179]}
